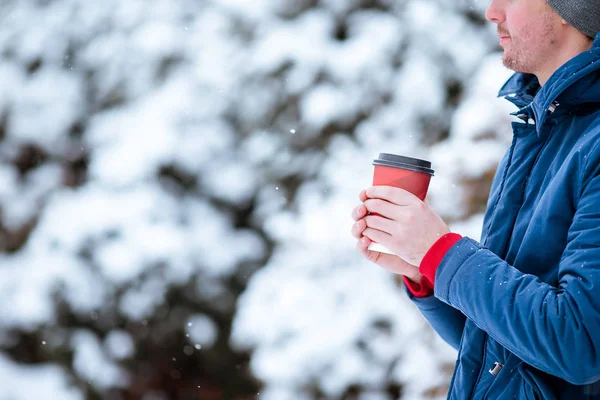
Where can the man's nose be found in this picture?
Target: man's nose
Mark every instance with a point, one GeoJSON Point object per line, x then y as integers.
{"type": "Point", "coordinates": [495, 12]}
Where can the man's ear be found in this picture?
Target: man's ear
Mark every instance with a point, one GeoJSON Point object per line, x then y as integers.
{"type": "Point", "coordinates": [562, 21]}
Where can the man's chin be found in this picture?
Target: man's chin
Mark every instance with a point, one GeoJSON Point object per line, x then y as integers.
{"type": "Point", "coordinates": [510, 63]}
{"type": "Point", "coordinates": [517, 64]}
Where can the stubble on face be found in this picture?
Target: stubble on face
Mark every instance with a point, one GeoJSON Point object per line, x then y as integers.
{"type": "Point", "coordinates": [531, 46]}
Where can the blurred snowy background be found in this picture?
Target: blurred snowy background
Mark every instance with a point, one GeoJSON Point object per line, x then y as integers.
{"type": "Point", "coordinates": [176, 182]}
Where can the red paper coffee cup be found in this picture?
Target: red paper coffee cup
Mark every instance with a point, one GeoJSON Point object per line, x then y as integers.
{"type": "Point", "coordinates": [411, 174]}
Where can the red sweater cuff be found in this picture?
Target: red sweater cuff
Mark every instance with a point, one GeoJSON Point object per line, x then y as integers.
{"type": "Point", "coordinates": [429, 265]}
{"type": "Point", "coordinates": [423, 289]}
{"type": "Point", "coordinates": [436, 253]}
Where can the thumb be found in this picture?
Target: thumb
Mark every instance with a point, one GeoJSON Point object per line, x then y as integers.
{"type": "Point", "coordinates": [393, 264]}
{"type": "Point", "coordinates": [390, 262]}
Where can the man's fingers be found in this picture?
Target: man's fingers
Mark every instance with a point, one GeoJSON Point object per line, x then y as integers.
{"type": "Point", "coordinates": [396, 265]}
{"type": "Point", "coordinates": [381, 207]}
{"type": "Point", "coordinates": [363, 195]}
{"type": "Point", "coordinates": [362, 245]}
{"type": "Point", "coordinates": [377, 236]}
{"type": "Point", "coordinates": [389, 262]}
{"type": "Point", "coordinates": [392, 194]}
{"type": "Point", "coordinates": [358, 227]}
{"type": "Point", "coordinates": [379, 223]}
{"type": "Point", "coordinates": [359, 212]}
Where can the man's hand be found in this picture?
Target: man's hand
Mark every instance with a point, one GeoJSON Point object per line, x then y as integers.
{"type": "Point", "coordinates": [390, 262]}
{"type": "Point", "coordinates": [404, 224]}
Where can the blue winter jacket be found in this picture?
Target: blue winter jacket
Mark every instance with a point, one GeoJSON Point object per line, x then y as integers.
{"type": "Point", "coordinates": [522, 306]}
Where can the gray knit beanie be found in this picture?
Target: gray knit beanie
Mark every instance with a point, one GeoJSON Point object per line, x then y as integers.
{"type": "Point", "coordinates": [581, 14]}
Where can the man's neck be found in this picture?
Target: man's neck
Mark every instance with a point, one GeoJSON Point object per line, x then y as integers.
{"type": "Point", "coordinates": [565, 55]}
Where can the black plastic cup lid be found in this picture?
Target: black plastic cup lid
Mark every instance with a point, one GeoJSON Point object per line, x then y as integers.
{"type": "Point", "coordinates": [409, 163]}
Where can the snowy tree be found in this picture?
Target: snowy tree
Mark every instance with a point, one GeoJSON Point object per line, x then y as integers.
{"type": "Point", "coordinates": [177, 182]}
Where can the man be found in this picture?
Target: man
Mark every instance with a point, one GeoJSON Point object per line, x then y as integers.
{"type": "Point", "coordinates": [522, 306]}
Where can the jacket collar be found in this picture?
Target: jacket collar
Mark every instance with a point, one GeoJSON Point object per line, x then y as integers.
{"type": "Point", "coordinates": [569, 85]}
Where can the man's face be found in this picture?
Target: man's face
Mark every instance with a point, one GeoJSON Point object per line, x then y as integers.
{"type": "Point", "coordinates": [528, 31]}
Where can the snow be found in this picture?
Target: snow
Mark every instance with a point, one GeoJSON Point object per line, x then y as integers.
{"type": "Point", "coordinates": [22, 197]}
{"type": "Point", "coordinates": [373, 38]}
{"type": "Point", "coordinates": [203, 331]}
{"type": "Point", "coordinates": [28, 301]}
{"type": "Point", "coordinates": [474, 118]}
{"type": "Point", "coordinates": [321, 105]}
{"type": "Point", "coordinates": [119, 344]}
{"type": "Point", "coordinates": [11, 78]}
{"type": "Point", "coordinates": [26, 382]}
{"type": "Point", "coordinates": [54, 97]}
{"type": "Point", "coordinates": [92, 364]}
{"type": "Point", "coordinates": [303, 41]}
{"type": "Point", "coordinates": [231, 181]}
{"type": "Point", "coordinates": [261, 147]}
{"type": "Point", "coordinates": [419, 85]}
{"type": "Point", "coordinates": [289, 345]}
{"type": "Point", "coordinates": [138, 304]}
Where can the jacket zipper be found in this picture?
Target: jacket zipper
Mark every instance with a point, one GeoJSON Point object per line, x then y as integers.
{"type": "Point", "coordinates": [551, 110]}
{"type": "Point", "coordinates": [502, 185]}
{"type": "Point", "coordinates": [495, 370]}
{"type": "Point", "coordinates": [472, 394]}
{"type": "Point", "coordinates": [537, 158]}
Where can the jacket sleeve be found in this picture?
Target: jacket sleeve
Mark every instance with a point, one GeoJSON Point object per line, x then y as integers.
{"type": "Point", "coordinates": [447, 321]}
{"type": "Point", "coordinates": [554, 329]}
